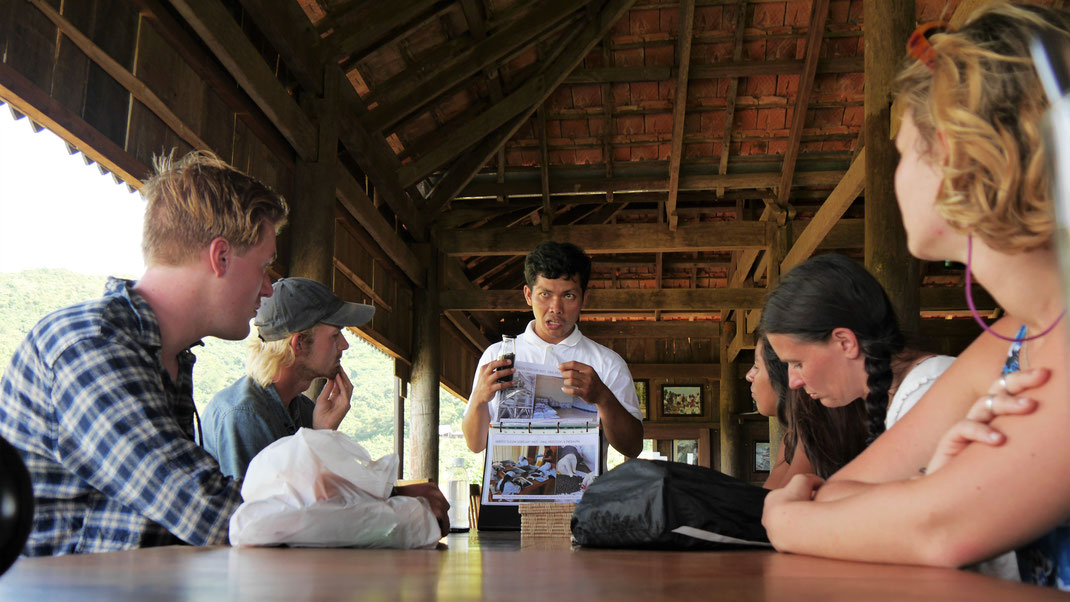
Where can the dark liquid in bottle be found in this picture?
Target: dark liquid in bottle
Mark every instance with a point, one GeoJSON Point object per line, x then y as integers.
{"type": "Point", "coordinates": [511, 357]}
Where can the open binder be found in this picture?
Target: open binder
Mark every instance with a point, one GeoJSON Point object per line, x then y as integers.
{"type": "Point", "coordinates": [543, 446]}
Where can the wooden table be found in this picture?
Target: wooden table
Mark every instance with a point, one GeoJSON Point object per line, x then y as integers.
{"type": "Point", "coordinates": [494, 566]}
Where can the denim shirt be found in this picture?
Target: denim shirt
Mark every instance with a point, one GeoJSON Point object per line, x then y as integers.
{"type": "Point", "coordinates": [245, 418]}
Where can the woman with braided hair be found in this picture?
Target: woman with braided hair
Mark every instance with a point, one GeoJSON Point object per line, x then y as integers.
{"type": "Point", "coordinates": [832, 323]}
{"type": "Point", "coordinates": [976, 468]}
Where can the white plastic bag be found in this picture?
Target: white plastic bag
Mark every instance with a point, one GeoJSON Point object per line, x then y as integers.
{"type": "Point", "coordinates": [319, 488]}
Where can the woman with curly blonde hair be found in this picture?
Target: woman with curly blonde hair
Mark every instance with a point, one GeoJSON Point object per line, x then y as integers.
{"type": "Point", "coordinates": [973, 470]}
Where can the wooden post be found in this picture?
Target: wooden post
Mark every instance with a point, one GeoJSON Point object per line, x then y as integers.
{"type": "Point", "coordinates": [312, 208]}
{"type": "Point", "coordinates": [729, 422]}
{"type": "Point", "coordinates": [424, 382]}
{"type": "Point", "coordinates": [776, 251]}
{"type": "Point", "coordinates": [888, 26]}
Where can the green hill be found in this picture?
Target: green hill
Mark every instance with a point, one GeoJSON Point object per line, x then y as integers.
{"type": "Point", "coordinates": [26, 297]}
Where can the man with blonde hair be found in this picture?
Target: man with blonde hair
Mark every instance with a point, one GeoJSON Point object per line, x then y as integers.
{"type": "Point", "coordinates": [98, 398]}
{"type": "Point", "coordinates": [301, 339]}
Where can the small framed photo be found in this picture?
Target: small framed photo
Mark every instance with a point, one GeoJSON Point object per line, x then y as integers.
{"type": "Point", "coordinates": [762, 462]}
{"type": "Point", "coordinates": [685, 451]}
{"type": "Point", "coordinates": [642, 390]}
{"type": "Point", "coordinates": [681, 400]}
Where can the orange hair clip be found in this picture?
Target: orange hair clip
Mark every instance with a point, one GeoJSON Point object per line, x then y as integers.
{"type": "Point", "coordinates": [918, 45]}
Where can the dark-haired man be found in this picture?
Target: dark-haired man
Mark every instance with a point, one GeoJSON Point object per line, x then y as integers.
{"type": "Point", "coordinates": [556, 276]}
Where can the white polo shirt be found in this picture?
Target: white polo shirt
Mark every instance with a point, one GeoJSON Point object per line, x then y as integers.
{"type": "Point", "coordinates": [609, 366]}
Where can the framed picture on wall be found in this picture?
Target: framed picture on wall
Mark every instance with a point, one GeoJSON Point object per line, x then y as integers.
{"type": "Point", "coordinates": [685, 451]}
{"type": "Point", "coordinates": [642, 390]}
{"type": "Point", "coordinates": [681, 400]}
{"type": "Point", "coordinates": [762, 462]}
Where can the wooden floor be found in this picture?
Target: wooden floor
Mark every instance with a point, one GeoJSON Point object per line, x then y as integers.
{"type": "Point", "coordinates": [494, 566]}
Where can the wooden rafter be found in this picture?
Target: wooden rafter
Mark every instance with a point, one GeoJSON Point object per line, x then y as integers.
{"type": "Point", "coordinates": [818, 16]}
{"type": "Point", "coordinates": [211, 21]}
{"type": "Point", "coordinates": [703, 300]}
{"type": "Point", "coordinates": [544, 169]}
{"type": "Point", "coordinates": [737, 68]}
{"type": "Point", "coordinates": [733, 91]}
{"type": "Point", "coordinates": [300, 43]}
{"type": "Point", "coordinates": [128, 80]}
{"type": "Point", "coordinates": [154, 14]}
{"type": "Point", "coordinates": [404, 98]}
{"type": "Point", "coordinates": [689, 181]}
{"type": "Point", "coordinates": [353, 36]}
{"type": "Point", "coordinates": [679, 109]}
{"type": "Point", "coordinates": [617, 238]}
{"type": "Point", "coordinates": [24, 96]}
{"type": "Point", "coordinates": [830, 213]}
{"type": "Point", "coordinates": [502, 120]}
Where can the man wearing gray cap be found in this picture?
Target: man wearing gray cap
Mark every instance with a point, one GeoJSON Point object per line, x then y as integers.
{"type": "Point", "coordinates": [300, 340]}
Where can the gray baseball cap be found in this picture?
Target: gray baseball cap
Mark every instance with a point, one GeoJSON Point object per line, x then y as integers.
{"type": "Point", "coordinates": [299, 304]}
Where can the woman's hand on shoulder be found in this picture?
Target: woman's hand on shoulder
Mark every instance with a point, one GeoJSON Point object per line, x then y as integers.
{"type": "Point", "coordinates": [1003, 399]}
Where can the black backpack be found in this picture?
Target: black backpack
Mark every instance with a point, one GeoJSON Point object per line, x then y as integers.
{"type": "Point", "coordinates": [640, 503]}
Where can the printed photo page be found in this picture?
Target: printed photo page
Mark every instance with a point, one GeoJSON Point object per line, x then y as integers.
{"type": "Point", "coordinates": [523, 467]}
{"type": "Point", "coordinates": [536, 398]}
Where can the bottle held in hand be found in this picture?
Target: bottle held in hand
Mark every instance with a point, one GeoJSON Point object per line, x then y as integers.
{"type": "Point", "coordinates": [507, 352]}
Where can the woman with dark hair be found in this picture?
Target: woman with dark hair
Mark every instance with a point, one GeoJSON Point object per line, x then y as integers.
{"type": "Point", "coordinates": [832, 437]}
{"type": "Point", "coordinates": [833, 325]}
{"type": "Point", "coordinates": [974, 186]}
{"type": "Point", "coordinates": [828, 438]}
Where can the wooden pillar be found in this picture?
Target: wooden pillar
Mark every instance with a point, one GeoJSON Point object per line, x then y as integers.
{"type": "Point", "coordinates": [777, 251]}
{"type": "Point", "coordinates": [888, 24]}
{"type": "Point", "coordinates": [424, 382]}
{"type": "Point", "coordinates": [312, 208]}
{"type": "Point", "coordinates": [731, 440]}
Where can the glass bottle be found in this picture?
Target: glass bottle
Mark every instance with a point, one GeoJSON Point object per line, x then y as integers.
{"type": "Point", "coordinates": [458, 497]}
{"type": "Point", "coordinates": [507, 351]}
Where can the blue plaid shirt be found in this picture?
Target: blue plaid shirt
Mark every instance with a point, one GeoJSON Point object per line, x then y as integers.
{"type": "Point", "coordinates": [108, 436]}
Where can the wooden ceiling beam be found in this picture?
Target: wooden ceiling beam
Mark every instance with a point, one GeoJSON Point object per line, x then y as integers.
{"type": "Point", "coordinates": [704, 299]}
{"type": "Point", "coordinates": [748, 256]}
{"type": "Point", "coordinates": [679, 108]}
{"type": "Point", "coordinates": [733, 91]}
{"type": "Point", "coordinates": [491, 130]}
{"type": "Point", "coordinates": [224, 37]}
{"type": "Point", "coordinates": [693, 181]}
{"type": "Point", "coordinates": [818, 16]}
{"type": "Point", "coordinates": [128, 80]}
{"type": "Point", "coordinates": [544, 168]}
{"type": "Point", "coordinates": [291, 34]}
{"type": "Point", "coordinates": [736, 68]}
{"type": "Point", "coordinates": [664, 329]}
{"type": "Point", "coordinates": [616, 238]}
{"type": "Point", "coordinates": [406, 97]}
{"type": "Point", "coordinates": [707, 300]}
{"type": "Point", "coordinates": [218, 79]}
{"type": "Point", "coordinates": [367, 29]}
{"type": "Point", "coordinates": [357, 203]}
{"type": "Point", "coordinates": [852, 184]}
{"type": "Point", "coordinates": [26, 98]}
{"type": "Point", "coordinates": [302, 45]}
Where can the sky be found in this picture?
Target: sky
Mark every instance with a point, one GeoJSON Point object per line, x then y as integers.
{"type": "Point", "coordinates": [58, 212]}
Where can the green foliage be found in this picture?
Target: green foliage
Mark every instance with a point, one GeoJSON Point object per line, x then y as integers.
{"type": "Point", "coordinates": [26, 297]}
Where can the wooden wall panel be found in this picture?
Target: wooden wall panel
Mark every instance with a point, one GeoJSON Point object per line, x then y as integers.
{"type": "Point", "coordinates": [150, 137]}
{"type": "Point", "coordinates": [31, 44]}
{"type": "Point", "coordinates": [114, 30]}
{"type": "Point", "coordinates": [72, 65]}
{"type": "Point", "coordinates": [173, 81]}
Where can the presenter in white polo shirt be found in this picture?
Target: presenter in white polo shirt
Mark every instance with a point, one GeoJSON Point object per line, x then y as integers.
{"type": "Point", "coordinates": [556, 276]}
